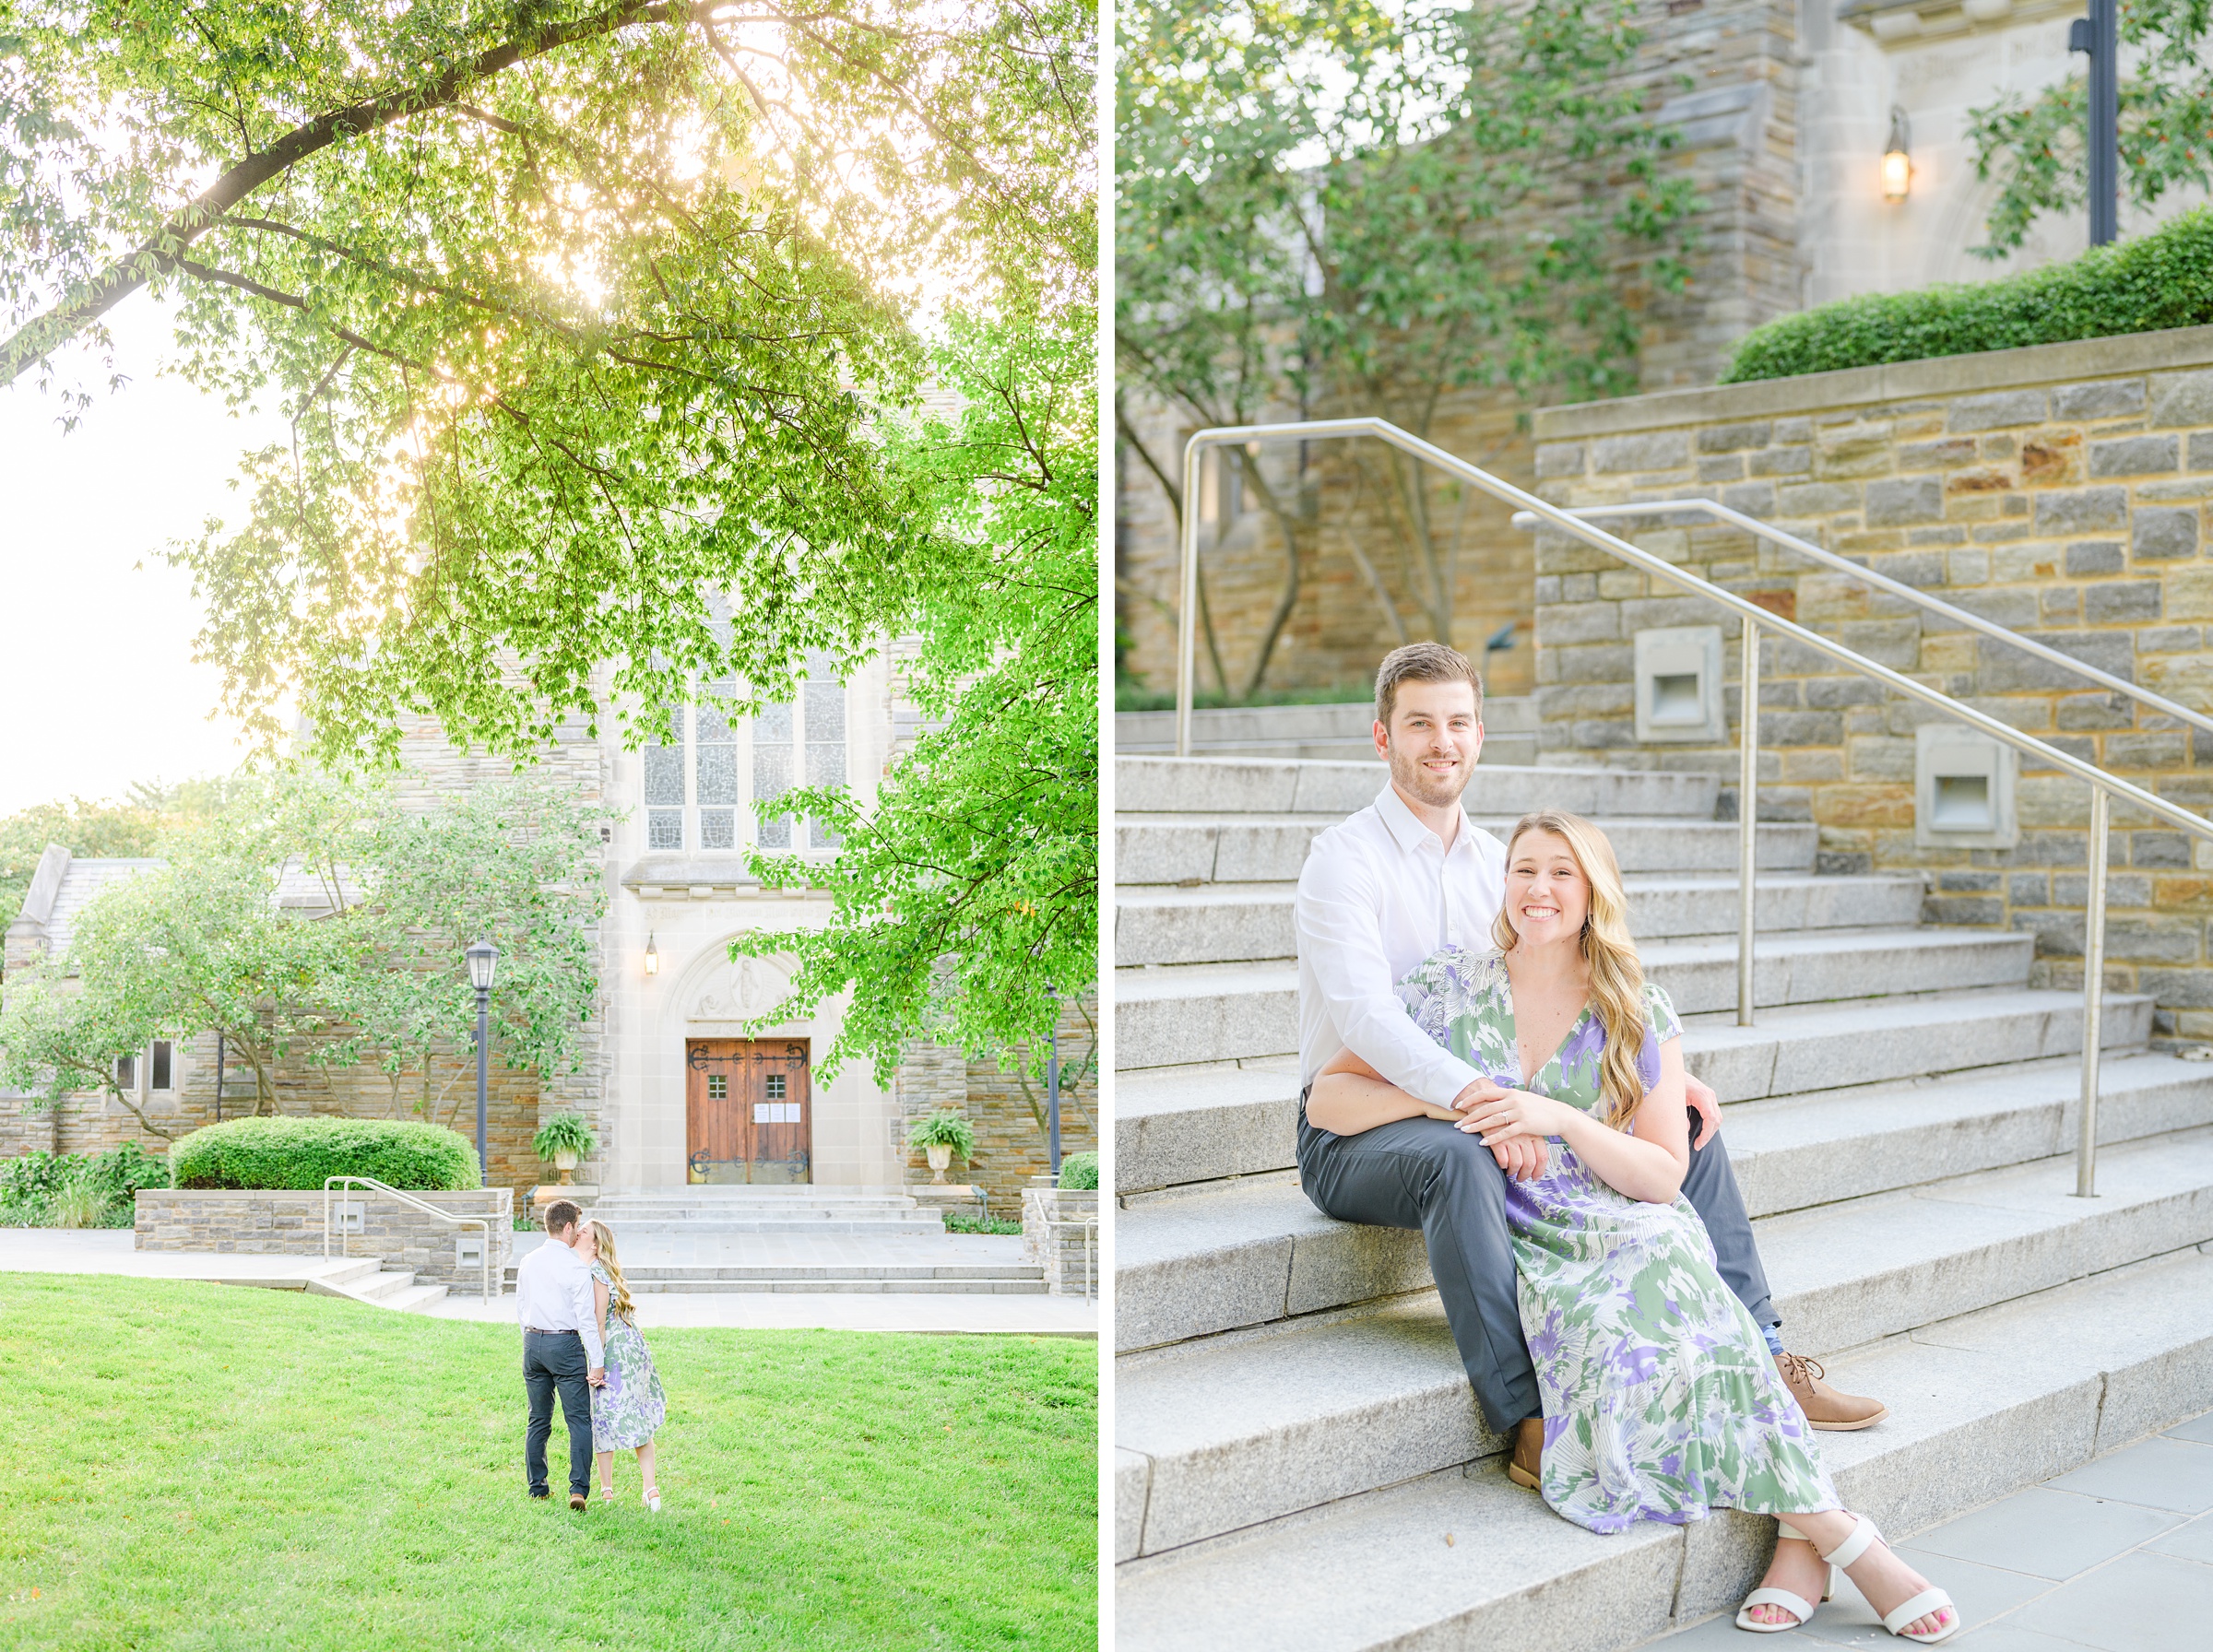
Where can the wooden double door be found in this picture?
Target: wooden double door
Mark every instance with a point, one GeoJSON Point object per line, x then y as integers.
{"type": "Point", "coordinates": [748, 1110]}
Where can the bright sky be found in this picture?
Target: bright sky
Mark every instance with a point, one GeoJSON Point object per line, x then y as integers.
{"type": "Point", "coordinates": [99, 627]}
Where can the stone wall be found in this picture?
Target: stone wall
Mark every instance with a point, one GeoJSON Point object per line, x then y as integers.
{"type": "Point", "coordinates": [2059, 490]}
{"type": "Point", "coordinates": [290, 1223]}
{"type": "Point", "coordinates": [1011, 1145]}
{"type": "Point", "coordinates": [1051, 1239]}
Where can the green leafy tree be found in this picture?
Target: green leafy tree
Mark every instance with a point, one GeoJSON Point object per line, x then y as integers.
{"type": "Point", "coordinates": [2036, 146]}
{"type": "Point", "coordinates": [593, 324]}
{"type": "Point", "coordinates": [316, 917]}
{"type": "Point", "coordinates": [965, 901]}
{"type": "Point", "coordinates": [1356, 208]}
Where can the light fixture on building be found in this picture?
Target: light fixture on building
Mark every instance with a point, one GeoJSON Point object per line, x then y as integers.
{"type": "Point", "coordinates": [1897, 162]}
{"type": "Point", "coordinates": [653, 957]}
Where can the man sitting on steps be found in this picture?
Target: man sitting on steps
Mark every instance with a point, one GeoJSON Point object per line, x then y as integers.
{"type": "Point", "coordinates": [1380, 892]}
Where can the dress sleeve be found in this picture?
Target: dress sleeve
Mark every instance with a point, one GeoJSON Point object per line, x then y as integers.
{"type": "Point", "coordinates": [1661, 1023]}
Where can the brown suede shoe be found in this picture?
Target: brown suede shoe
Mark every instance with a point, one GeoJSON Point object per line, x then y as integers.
{"type": "Point", "coordinates": [1824, 1407]}
{"type": "Point", "coordinates": [1528, 1462]}
{"type": "Point", "coordinates": [576, 1503]}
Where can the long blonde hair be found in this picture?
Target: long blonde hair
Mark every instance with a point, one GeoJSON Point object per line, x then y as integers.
{"type": "Point", "coordinates": [1610, 958]}
{"type": "Point", "coordinates": [617, 1289]}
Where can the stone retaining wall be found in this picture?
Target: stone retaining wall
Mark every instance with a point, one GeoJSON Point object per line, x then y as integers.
{"type": "Point", "coordinates": [290, 1223]}
{"type": "Point", "coordinates": [2060, 490]}
{"type": "Point", "coordinates": [1060, 1251]}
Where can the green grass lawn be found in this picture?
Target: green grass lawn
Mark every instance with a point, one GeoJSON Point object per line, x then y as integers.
{"type": "Point", "coordinates": [207, 1467]}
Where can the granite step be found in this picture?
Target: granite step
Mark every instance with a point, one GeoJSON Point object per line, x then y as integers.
{"type": "Point", "coordinates": [983, 1278]}
{"type": "Point", "coordinates": [1981, 1405]}
{"type": "Point", "coordinates": [1224, 848]}
{"type": "Point", "coordinates": [1221, 1256]}
{"type": "Point", "coordinates": [1939, 1068]}
{"type": "Point", "coordinates": [1170, 1015]}
{"type": "Point", "coordinates": [1241, 1430]}
{"type": "Point", "coordinates": [1210, 786]}
{"type": "Point", "coordinates": [1241, 922]}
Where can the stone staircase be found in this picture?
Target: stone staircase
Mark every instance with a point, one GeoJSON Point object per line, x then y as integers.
{"type": "Point", "coordinates": [805, 1238]}
{"type": "Point", "coordinates": [1335, 731]}
{"type": "Point", "coordinates": [1299, 1463]}
{"type": "Point", "coordinates": [367, 1280]}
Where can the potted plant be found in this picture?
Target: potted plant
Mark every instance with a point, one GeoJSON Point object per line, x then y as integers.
{"type": "Point", "coordinates": [564, 1138]}
{"type": "Point", "coordinates": [941, 1135]}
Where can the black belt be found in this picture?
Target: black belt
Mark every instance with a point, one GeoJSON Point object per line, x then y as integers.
{"type": "Point", "coordinates": [535, 1331]}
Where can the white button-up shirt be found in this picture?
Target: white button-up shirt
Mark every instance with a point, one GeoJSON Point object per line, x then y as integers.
{"type": "Point", "coordinates": [554, 1292]}
{"type": "Point", "coordinates": [1379, 893]}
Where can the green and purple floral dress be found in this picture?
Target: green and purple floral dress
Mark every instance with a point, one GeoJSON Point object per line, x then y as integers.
{"type": "Point", "coordinates": [629, 1410]}
{"type": "Point", "coordinates": [1661, 1399]}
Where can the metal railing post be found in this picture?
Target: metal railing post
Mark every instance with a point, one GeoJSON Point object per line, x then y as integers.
{"type": "Point", "coordinates": [1187, 601]}
{"type": "Point", "coordinates": [1747, 822]}
{"type": "Point", "coordinates": [2093, 999]}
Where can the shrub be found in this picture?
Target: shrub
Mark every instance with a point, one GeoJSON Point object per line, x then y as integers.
{"type": "Point", "coordinates": [2161, 279]}
{"type": "Point", "coordinates": [1080, 1172]}
{"type": "Point", "coordinates": [968, 1221]}
{"type": "Point", "coordinates": [563, 1133]}
{"type": "Point", "coordinates": [299, 1152]}
{"type": "Point", "coordinates": [76, 1190]}
{"type": "Point", "coordinates": [944, 1130]}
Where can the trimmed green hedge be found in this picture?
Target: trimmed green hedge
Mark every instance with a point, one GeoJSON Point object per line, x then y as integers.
{"type": "Point", "coordinates": [1080, 1172]}
{"type": "Point", "coordinates": [2163, 279]}
{"type": "Point", "coordinates": [298, 1152]}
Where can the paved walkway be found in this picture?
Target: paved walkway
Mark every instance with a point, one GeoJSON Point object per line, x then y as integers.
{"type": "Point", "coordinates": [63, 1250]}
{"type": "Point", "coordinates": [649, 1247]}
{"type": "Point", "coordinates": [2117, 1557]}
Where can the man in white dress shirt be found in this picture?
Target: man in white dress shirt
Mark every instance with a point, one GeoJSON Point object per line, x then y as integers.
{"type": "Point", "coordinates": [1380, 892]}
{"type": "Point", "coordinates": [560, 1349]}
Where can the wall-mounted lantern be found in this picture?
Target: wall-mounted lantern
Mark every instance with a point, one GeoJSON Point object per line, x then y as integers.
{"type": "Point", "coordinates": [1897, 159]}
{"type": "Point", "coordinates": [653, 957]}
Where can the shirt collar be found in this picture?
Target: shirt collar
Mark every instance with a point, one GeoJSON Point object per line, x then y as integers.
{"type": "Point", "coordinates": [1407, 831]}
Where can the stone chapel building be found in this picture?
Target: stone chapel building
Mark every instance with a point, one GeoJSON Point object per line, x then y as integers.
{"type": "Point", "coordinates": [672, 1085]}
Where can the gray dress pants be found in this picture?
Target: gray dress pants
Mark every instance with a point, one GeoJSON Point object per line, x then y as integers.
{"type": "Point", "coordinates": [1425, 1173]}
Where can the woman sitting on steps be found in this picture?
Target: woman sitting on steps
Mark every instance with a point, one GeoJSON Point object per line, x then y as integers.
{"type": "Point", "coordinates": [1660, 1400]}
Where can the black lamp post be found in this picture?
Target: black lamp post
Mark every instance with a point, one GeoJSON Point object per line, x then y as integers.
{"type": "Point", "coordinates": [2098, 36]}
{"type": "Point", "coordinates": [483, 962]}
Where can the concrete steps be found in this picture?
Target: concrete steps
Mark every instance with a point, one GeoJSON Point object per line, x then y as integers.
{"type": "Point", "coordinates": [1188, 850]}
{"type": "Point", "coordinates": [1981, 1404]}
{"type": "Point", "coordinates": [699, 1211]}
{"type": "Point", "coordinates": [1170, 1015]}
{"type": "Point", "coordinates": [1331, 731]}
{"type": "Point", "coordinates": [983, 1278]}
{"type": "Point", "coordinates": [369, 1282]}
{"type": "Point", "coordinates": [1222, 923]}
{"type": "Point", "coordinates": [1295, 1434]}
{"type": "Point", "coordinates": [1243, 1430]}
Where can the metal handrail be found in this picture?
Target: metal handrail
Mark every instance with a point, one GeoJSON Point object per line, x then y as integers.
{"type": "Point", "coordinates": [1717, 512]}
{"type": "Point", "coordinates": [408, 1199]}
{"type": "Point", "coordinates": [2103, 787]}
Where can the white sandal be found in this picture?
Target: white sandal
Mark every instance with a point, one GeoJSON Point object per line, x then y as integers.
{"type": "Point", "coordinates": [1865, 1536]}
{"type": "Point", "coordinates": [1782, 1598]}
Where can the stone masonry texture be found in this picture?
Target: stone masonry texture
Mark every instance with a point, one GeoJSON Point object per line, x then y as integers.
{"type": "Point", "coordinates": [290, 1223]}
{"type": "Point", "coordinates": [2060, 490]}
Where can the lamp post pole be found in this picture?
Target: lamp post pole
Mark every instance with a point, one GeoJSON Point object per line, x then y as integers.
{"type": "Point", "coordinates": [2099, 36]}
{"type": "Point", "coordinates": [483, 961]}
{"type": "Point", "coordinates": [1052, 1097]}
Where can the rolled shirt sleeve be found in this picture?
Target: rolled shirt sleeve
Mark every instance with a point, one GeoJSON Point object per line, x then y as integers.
{"type": "Point", "coordinates": [1336, 916]}
{"type": "Point", "coordinates": [587, 1318]}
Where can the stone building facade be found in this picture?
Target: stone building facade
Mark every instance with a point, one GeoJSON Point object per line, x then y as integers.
{"type": "Point", "coordinates": [1781, 110]}
{"type": "Point", "coordinates": [665, 1060]}
{"type": "Point", "coordinates": [2060, 492]}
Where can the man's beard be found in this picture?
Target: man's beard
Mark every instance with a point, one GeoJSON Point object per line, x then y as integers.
{"type": "Point", "coordinates": [1428, 789]}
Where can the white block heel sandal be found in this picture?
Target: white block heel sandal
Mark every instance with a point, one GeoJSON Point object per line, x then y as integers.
{"type": "Point", "coordinates": [1863, 1537]}
{"type": "Point", "coordinates": [1783, 1598]}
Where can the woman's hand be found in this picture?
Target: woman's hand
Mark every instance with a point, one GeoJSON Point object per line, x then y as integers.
{"type": "Point", "coordinates": [1506, 1115]}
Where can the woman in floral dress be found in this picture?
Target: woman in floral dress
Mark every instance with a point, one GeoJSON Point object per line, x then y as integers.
{"type": "Point", "coordinates": [1661, 1399]}
{"type": "Point", "coordinates": [628, 1410]}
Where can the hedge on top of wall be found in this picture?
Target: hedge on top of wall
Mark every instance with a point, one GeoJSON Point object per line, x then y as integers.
{"type": "Point", "coordinates": [2154, 281]}
{"type": "Point", "coordinates": [298, 1152]}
